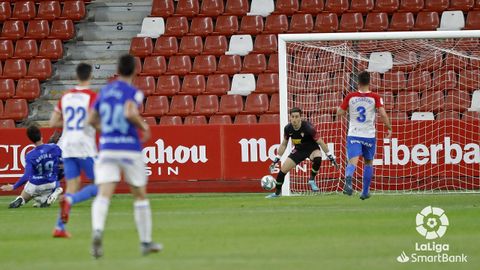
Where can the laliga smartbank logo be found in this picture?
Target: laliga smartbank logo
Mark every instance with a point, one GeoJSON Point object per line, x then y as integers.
{"type": "Point", "coordinates": [431, 223]}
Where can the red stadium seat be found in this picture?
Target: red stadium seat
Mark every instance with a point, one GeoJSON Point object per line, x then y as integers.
{"type": "Point", "coordinates": [455, 62]}
{"type": "Point", "coordinates": [236, 7]}
{"type": "Point", "coordinates": [206, 105]}
{"type": "Point", "coordinates": [248, 119]}
{"type": "Point", "coordinates": [220, 120]}
{"type": "Point", "coordinates": [168, 85]}
{"type": "Point", "coordinates": [376, 22]}
{"type": "Point", "coordinates": [5, 11]}
{"type": "Point", "coordinates": [193, 85]}
{"type": "Point", "coordinates": [230, 104]}
{"type": "Point", "coordinates": [256, 104]}
{"type": "Point", "coordinates": [6, 49]}
{"type": "Point", "coordinates": [170, 120]}
{"type": "Point", "coordinates": [204, 64]}
{"type": "Point", "coordinates": [394, 81]}
{"type": "Point", "coordinates": [49, 10]}
{"type": "Point", "coordinates": [251, 25]}
{"type": "Point", "coordinates": [326, 23]}
{"type": "Point", "coordinates": [165, 46]}
{"type": "Point", "coordinates": [73, 10]}
{"type": "Point", "coordinates": [308, 103]}
{"type": "Point", "coordinates": [156, 106]}
{"type": "Point", "coordinates": [408, 60]}
{"type": "Point", "coordinates": [189, 8]}
{"type": "Point", "coordinates": [7, 123]}
{"type": "Point", "coordinates": [288, 7]}
{"type": "Point", "coordinates": [276, 24]}
{"type": "Point", "coordinates": [470, 116]}
{"type": "Point", "coordinates": [215, 45]}
{"type": "Point", "coordinates": [28, 89]}
{"type": "Point", "coordinates": [388, 100]}
{"type": "Point", "coordinates": [444, 79]}
{"type": "Point", "coordinates": [426, 21]}
{"type": "Point", "coordinates": [40, 69]}
{"type": "Point", "coordinates": [432, 101]}
{"type": "Point", "coordinates": [191, 45]}
{"type": "Point", "coordinates": [179, 64]}
{"type": "Point", "coordinates": [318, 82]}
{"type": "Point", "coordinates": [411, 6]}
{"type": "Point", "coordinates": [311, 6]}
{"type": "Point", "coordinates": [7, 90]}
{"type": "Point", "coordinates": [229, 64]}
{"type": "Point", "coordinates": [195, 120]}
{"type": "Point", "coordinates": [269, 119]}
{"type": "Point", "coordinates": [351, 22]}
{"type": "Point", "coordinates": [218, 84]}
{"type": "Point", "coordinates": [26, 49]}
{"type": "Point", "coordinates": [436, 5]}
{"type": "Point", "coordinates": [138, 65]}
{"type": "Point", "coordinates": [62, 29]}
{"type": "Point", "coordinates": [447, 115]}
{"type": "Point", "coordinates": [15, 69]}
{"type": "Point", "coordinates": [265, 43]}
{"type": "Point", "coordinates": [13, 30]}
{"type": "Point", "coordinates": [402, 21]}
{"type": "Point", "coordinates": [267, 83]}
{"type": "Point", "coordinates": [301, 23]}
{"type": "Point", "coordinates": [254, 63]}
{"type": "Point", "coordinates": [329, 102]}
{"type": "Point", "coordinates": [226, 25]}
{"type": "Point", "coordinates": [181, 105]}
{"type": "Point", "coordinates": [429, 61]}
{"type": "Point", "coordinates": [24, 10]}
{"type": "Point", "coordinates": [272, 63]}
{"type": "Point", "coordinates": [51, 49]}
{"type": "Point", "coordinates": [176, 26]}
{"type": "Point", "coordinates": [457, 100]}
{"type": "Point", "coordinates": [16, 109]}
{"type": "Point", "coordinates": [1, 109]}
{"type": "Point", "coordinates": [388, 6]}
{"type": "Point", "coordinates": [362, 6]}
{"type": "Point", "coordinates": [38, 29]}
{"type": "Point", "coordinates": [463, 5]}
{"type": "Point", "coordinates": [212, 8]}
{"type": "Point", "coordinates": [469, 80]}
{"type": "Point", "coordinates": [340, 82]}
{"type": "Point", "coordinates": [150, 120]}
{"type": "Point", "coordinates": [473, 20]}
{"type": "Point", "coordinates": [419, 81]}
{"type": "Point", "coordinates": [336, 6]}
{"type": "Point", "coordinates": [201, 26]}
{"type": "Point", "coordinates": [398, 116]}
{"type": "Point", "coordinates": [141, 46]}
{"type": "Point", "coordinates": [162, 8]}
{"type": "Point", "coordinates": [145, 83]}
{"type": "Point", "coordinates": [407, 101]}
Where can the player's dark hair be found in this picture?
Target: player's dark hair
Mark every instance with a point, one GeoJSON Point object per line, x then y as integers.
{"type": "Point", "coordinates": [126, 65]}
{"type": "Point", "coordinates": [84, 71]}
{"type": "Point", "coordinates": [364, 78]}
{"type": "Point", "coordinates": [34, 134]}
{"type": "Point", "coordinates": [295, 110]}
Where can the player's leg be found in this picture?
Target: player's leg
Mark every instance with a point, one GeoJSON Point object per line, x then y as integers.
{"type": "Point", "coordinates": [354, 151]}
{"type": "Point", "coordinates": [134, 172]}
{"type": "Point", "coordinates": [368, 149]}
{"type": "Point", "coordinates": [284, 169]}
{"type": "Point", "coordinates": [24, 197]}
{"type": "Point", "coordinates": [72, 176]}
{"type": "Point", "coordinates": [316, 158]}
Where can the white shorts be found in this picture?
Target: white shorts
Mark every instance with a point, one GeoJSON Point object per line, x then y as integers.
{"type": "Point", "coordinates": [111, 164]}
{"type": "Point", "coordinates": [39, 193]}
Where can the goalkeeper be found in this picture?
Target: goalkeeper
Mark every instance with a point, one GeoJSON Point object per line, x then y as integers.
{"type": "Point", "coordinates": [306, 141]}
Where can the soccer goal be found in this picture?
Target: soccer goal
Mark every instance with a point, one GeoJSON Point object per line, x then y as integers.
{"type": "Point", "coordinates": [430, 85]}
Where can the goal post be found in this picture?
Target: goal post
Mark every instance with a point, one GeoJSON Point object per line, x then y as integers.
{"type": "Point", "coordinates": [431, 76]}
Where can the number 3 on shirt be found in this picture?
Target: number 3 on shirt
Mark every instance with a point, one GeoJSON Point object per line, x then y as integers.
{"type": "Point", "coordinates": [362, 117]}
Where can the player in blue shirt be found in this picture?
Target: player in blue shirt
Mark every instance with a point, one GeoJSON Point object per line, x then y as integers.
{"type": "Point", "coordinates": [115, 114]}
{"type": "Point", "coordinates": [41, 177]}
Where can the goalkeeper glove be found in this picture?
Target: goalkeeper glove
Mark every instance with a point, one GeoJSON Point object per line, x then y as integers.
{"type": "Point", "coordinates": [274, 163]}
{"type": "Point", "coordinates": [333, 160]}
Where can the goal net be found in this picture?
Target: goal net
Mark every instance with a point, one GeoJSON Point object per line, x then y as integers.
{"type": "Point", "coordinates": [429, 82]}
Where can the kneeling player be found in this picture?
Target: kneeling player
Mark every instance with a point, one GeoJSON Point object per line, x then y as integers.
{"type": "Point", "coordinates": [306, 141]}
{"type": "Point", "coordinates": [41, 173]}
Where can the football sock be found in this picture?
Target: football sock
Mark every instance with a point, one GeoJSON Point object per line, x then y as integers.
{"type": "Point", "coordinates": [315, 167]}
{"type": "Point", "coordinates": [280, 179]}
{"type": "Point", "coordinates": [350, 170]}
{"type": "Point", "coordinates": [143, 220]}
{"type": "Point", "coordinates": [84, 194]}
{"type": "Point", "coordinates": [60, 225]}
{"type": "Point", "coordinates": [367, 178]}
{"type": "Point", "coordinates": [99, 212]}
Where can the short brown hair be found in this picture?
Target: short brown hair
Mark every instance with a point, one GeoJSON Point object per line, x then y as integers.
{"type": "Point", "coordinates": [364, 78]}
{"type": "Point", "coordinates": [126, 65]}
{"type": "Point", "coordinates": [295, 110]}
{"type": "Point", "coordinates": [34, 134]}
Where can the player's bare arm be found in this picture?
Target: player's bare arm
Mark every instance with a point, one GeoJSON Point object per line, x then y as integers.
{"type": "Point", "coordinates": [133, 116]}
{"type": "Point", "coordinates": [56, 120]}
{"type": "Point", "coordinates": [94, 120]}
{"type": "Point", "coordinates": [386, 121]}
{"type": "Point", "coordinates": [340, 112]}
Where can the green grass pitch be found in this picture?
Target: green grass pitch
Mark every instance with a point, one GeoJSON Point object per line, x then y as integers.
{"type": "Point", "coordinates": [244, 231]}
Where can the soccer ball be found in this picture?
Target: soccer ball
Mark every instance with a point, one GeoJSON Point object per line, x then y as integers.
{"type": "Point", "coordinates": [268, 182]}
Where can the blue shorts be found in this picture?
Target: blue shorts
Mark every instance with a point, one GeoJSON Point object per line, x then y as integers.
{"type": "Point", "coordinates": [358, 146]}
{"type": "Point", "coordinates": [74, 166]}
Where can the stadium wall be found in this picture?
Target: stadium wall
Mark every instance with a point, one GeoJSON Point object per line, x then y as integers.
{"type": "Point", "coordinates": [231, 158]}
